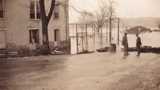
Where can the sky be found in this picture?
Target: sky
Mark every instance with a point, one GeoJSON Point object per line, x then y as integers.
{"type": "Point", "coordinates": [124, 8]}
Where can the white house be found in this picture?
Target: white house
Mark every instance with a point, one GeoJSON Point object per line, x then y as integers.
{"type": "Point", "coordinates": [20, 22]}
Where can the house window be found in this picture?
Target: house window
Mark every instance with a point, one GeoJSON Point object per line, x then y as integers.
{"type": "Point", "coordinates": [56, 35]}
{"type": "Point", "coordinates": [37, 10]}
{"type": "Point", "coordinates": [1, 9]}
{"type": "Point", "coordinates": [34, 36]}
{"type": "Point", "coordinates": [34, 10]}
{"type": "Point", "coordinates": [56, 10]}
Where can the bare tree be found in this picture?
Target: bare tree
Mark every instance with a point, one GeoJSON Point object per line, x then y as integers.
{"type": "Point", "coordinates": [46, 17]}
{"type": "Point", "coordinates": [105, 13]}
{"type": "Point", "coordinates": [101, 16]}
{"type": "Point", "coordinates": [86, 17]}
{"type": "Point", "coordinates": [111, 17]}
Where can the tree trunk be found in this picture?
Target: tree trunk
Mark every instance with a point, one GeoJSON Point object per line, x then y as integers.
{"type": "Point", "coordinates": [45, 21]}
{"type": "Point", "coordinates": [45, 37]}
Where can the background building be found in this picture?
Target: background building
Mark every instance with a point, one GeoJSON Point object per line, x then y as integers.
{"type": "Point", "coordinates": [20, 22]}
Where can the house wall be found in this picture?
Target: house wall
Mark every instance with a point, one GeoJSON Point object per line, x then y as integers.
{"type": "Point", "coordinates": [59, 23]}
{"type": "Point", "coordinates": [17, 23]}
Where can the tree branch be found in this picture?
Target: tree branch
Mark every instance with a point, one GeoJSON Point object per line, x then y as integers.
{"type": "Point", "coordinates": [51, 10]}
{"type": "Point", "coordinates": [42, 8]}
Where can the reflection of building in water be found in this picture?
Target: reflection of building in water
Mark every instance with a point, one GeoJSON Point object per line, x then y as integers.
{"type": "Point", "coordinates": [20, 22]}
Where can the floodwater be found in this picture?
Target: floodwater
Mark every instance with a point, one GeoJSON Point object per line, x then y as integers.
{"type": "Point", "coordinates": [97, 41]}
{"type": "Point", "coordinates": [98, 71]}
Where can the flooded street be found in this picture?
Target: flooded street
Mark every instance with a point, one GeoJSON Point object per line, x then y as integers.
{"type": "Point", "coordinates": [97, 71]}
{"type": "Point", "coordinates": [93, 40]}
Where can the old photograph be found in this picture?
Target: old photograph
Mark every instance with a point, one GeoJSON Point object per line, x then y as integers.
{"type": "Point", "coordinates": [79, 45]}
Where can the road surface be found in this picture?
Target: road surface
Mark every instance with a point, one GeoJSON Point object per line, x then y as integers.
{"type": "Point", "coordinates": [98, 71]}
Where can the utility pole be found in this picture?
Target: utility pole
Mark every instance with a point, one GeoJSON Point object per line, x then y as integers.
{"type": "Point", "coordinates": [67, 19]}
{"type": "Point", "coordinates": [110, 30]}
{"type": "Point", "coordinates": [118, 31]}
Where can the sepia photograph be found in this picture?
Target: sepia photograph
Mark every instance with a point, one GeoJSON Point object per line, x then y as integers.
{"type": "Point", "coordinates": [79, 44]}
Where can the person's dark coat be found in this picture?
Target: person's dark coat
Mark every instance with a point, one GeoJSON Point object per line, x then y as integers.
{"type": "Point", "coordinates": [138, 42]}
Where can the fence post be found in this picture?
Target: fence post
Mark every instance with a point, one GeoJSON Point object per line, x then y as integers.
{"type": "Point", "coordinates": [86, 38]}
{"type": "Point", "coordinates": [77, 38]}
{"type": "Point", "coordinates": [110, 30]}
{"type": "Point", "coordinates": [94, 36]}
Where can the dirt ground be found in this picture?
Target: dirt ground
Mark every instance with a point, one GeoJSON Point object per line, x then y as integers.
{"type": "Point", "coordinates": [97, 71]}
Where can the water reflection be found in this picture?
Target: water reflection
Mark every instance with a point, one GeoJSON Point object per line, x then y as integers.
{"type": "Point", "coordinates": [30, 73]}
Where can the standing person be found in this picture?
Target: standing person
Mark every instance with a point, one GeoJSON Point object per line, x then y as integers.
{"type": "Point", "coordinates": [125, 44]}
{"type": "Point", "coordinates": [138, 45]}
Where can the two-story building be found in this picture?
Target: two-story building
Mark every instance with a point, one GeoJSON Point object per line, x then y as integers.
{"type": "Point", "coordinates": [20, 22]}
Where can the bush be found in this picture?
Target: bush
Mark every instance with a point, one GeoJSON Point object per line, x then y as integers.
{"type": "Point", "coordinates": [12, 47]}
{"type": "Point", "coordinates": [24, 51]}
{"type": "Point", "coordinates": [113, 48]}
{"type": "Point", "coordinates": [27, 50]}
{"type": "Point", "coordinates": [63, 46]}
{"type": "Point", "coordinates": [41, 50]}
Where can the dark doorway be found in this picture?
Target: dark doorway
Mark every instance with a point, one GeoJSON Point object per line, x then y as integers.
{"type": "Point", "coordinates": [34, 36]}
{"type": "Point", "coordinates": [56, 35]}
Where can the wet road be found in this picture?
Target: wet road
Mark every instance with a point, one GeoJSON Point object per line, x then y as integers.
{"type": "Point", "coordinates": [81, 72]}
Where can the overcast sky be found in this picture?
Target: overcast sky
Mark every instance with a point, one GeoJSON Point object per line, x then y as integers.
{"type": "Point", "coordinates": [124, 8]}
